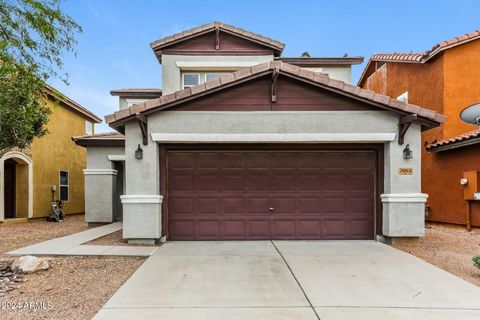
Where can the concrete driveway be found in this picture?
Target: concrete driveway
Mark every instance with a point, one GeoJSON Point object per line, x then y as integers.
{"type": "Point", "coordinates": [302, 280]}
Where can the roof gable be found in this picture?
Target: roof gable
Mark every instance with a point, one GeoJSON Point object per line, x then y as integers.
{"type": "Point", "coordinates": [219, 38]}
{"type": "Point", "coordinates": [427, 117]}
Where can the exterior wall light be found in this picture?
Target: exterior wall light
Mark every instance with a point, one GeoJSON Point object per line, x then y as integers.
{"type": "Point", "coordinates": [407, 152]}
{"type": "Point", "coordinates": [139, 153]}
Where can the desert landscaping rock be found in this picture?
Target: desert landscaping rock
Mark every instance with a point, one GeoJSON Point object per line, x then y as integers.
{"type": "Point", "coordinates": [30, 264]}
{"type": "Point", "coordinates": [100, 277]}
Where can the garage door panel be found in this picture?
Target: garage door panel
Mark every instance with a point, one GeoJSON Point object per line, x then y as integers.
{"type": "Point", "coordinates": [313, 194]}
{"type": "Point", "coordinates": [233, 229]}
{"type": "Point", "coordinates": [258, 160]}
{"type": "Point", "coordinates": [207, 229]}
{"type": "Point", "coordinates": [308, 205]}
{"type": "Point", "coordinates": [180, 205]}
{"type": "Point", "coordinates": [334, 228]}
{"type": "Point", "coordinates": [310, 182]}
{"type": "Point", "coordinates": [282, 182]}
{"type": "Point", "coordinates": [283, 204]}
{"type": "Point", "coordinates": [309, 229]}
{"type": "Point", "coordinates": [233, 205]}
{"type": "Point", "coordinates": [207, 205]}
{"type": "Point", "coordinates": [257, 205]}
{"type": "Point", "coordinates": [207, 183]}
{"type": "Point", "coordinates": [258, 229]}
{"type": "Point", "coordinates": [233, 182]}
{"type": "Point", "coordinates": [207, 160]}
{"type": "Point", "coordinates": [181, 182]}
{"type": "Point", "coordinates": [283, 229]}
{"type": "Point", "coordinates": [334, 204]}
{"type": "Point", "coordinates": [360, 227]}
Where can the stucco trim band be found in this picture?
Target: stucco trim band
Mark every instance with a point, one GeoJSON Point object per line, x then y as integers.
{"type": "Point", "coordinates": [141, 198]}
{"type": "Point", "coordinates": [116, 157]}
{"type": "Point", "coordinates": [100, 172]}
{"type": "Point", "coordinates": [272, 137]}
{"type": "Point", "coordinates": [404, 197]}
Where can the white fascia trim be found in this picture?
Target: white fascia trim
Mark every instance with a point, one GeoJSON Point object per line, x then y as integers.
{"type": "Point", "coordinates": [404, 197]}
{"type": "Point", "coordinates": [272, 137]}
{"type": "Point", "coordinates": [208, 65]}
{"type": "Point", "coordinates": [141, 198]}
{"type": "Point", "coordinates": [116, 157]}
{"type": "Point", "coordinates": [100, 172]}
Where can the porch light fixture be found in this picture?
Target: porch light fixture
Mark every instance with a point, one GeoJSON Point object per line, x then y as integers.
{"type": "Point", "coordinates": [407, 152]}
{"type": "Point", "coordinates": [139, 153]}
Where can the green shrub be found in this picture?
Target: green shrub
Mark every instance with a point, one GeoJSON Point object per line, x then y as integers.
{"type": "Point", "coordinates": [476, 261]}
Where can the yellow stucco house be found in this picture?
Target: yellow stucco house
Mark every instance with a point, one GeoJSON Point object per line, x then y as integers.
{"type": "Point", "coordinates": [51, 167]}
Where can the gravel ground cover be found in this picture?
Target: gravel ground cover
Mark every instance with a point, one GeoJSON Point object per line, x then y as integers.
{"type": "Point", "coordinates": [73, 287]}
{"type": "Point", "coordinates": [448, 247]}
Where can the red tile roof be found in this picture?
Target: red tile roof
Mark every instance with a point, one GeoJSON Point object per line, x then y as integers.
{"type": "Point", "coordinates": [205, 28]}
{"type": "Point", "coordinates": [454, 141]}
{"type": "Point", "coordinates": [322, 80]}
{"type": "Point", "coordinates": [417, 57]}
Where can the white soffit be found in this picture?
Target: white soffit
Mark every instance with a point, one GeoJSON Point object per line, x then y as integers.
{"type": "Point", "coordinates": [272, 137]}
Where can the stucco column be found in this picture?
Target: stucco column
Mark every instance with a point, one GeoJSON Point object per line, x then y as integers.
{"type": "Point", "coordinates": [100, 187]}
{"type": "Point", "coordinates": [142, 219]}
{"type": "Point", "coordinates": [402, 200]}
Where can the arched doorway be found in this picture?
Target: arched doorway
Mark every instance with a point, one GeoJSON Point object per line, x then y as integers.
{"type": "Point", "coordinates": [16, 186]}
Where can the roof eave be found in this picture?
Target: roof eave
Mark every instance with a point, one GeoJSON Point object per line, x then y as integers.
{"type": "Point", "coordinates": [454, 145]}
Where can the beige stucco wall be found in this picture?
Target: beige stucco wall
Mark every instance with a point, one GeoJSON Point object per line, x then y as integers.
{"type": "Point", "coordinates": [172, 66]}
{"type": "Point", "coordinates": [342, 73]}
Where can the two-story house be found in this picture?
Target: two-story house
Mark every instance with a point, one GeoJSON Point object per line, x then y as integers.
{"type": "Point", "coordinates": [444, 79]}
{"type": "Point", "coordinates": [51, 168]}
{"type": "Point", "coordinates": [243, 143]}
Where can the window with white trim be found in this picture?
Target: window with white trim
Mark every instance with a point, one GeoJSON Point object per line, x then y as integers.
{"type": "Point", "coordinates": [190, 80]}
{"type": "Point", "coordinates": [63, 186]}
{"type": "Point", "coordinates": [88, 127]}
{"type": "Point", "coordinates": [403, 97]}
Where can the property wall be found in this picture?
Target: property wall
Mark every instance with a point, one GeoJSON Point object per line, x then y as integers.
{"type": "Point", "coordinates": [171, 79]}
{"type": "Point", "coordinates": [56, 151]}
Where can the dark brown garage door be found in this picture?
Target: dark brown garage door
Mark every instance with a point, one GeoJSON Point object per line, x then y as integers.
{"type": "Point", "coordinates": [242, 194]}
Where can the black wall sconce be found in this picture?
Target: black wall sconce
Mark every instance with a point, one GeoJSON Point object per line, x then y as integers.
{"type": "Point", "coordinates": [139, 153]}
{"type": "Point", "coordinates": [407, 152]}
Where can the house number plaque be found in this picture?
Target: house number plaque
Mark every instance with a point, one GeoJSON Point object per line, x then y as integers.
{"type": "Point", "coordinates": [405, 171]}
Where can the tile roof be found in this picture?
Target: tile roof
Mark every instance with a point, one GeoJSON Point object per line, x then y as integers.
{"type": "Point", "coordinates": [320, 79]}
{"type": "Point", "coordinates": [418, 57]}
{"type": "Point", "coordinates": [320, 61]}
{"type": "Point", "coordinates": [136, 91]}
{"type": "Point", "coordinates": [54, 93]}
{"type": "Point", "coordinates": [454, 141]}
{"type": "Point", "coordinates": [164, 42]}
{"type": "Point", "coordinates": [103, 138]}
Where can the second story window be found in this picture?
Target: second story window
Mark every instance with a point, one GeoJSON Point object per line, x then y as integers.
{"type": "Point", "coordinates": [190, 80]}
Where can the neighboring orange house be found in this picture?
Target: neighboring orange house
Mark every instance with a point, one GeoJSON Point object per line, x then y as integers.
{"type": "Point", "coordinates": [445, 79]}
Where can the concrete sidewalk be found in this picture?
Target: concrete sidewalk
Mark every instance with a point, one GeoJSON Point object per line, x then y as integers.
{"type": "Point", "coordinates": [72, 245]}
{"type": "Point", "coordinates": [304, 280]}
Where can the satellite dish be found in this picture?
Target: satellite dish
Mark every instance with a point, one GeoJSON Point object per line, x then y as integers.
{"type": "Point", "coordinates": [471, 115]}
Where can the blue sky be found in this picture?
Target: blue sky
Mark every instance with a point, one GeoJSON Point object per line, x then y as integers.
{"type": "Point", "coordinates": [113, 51]}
